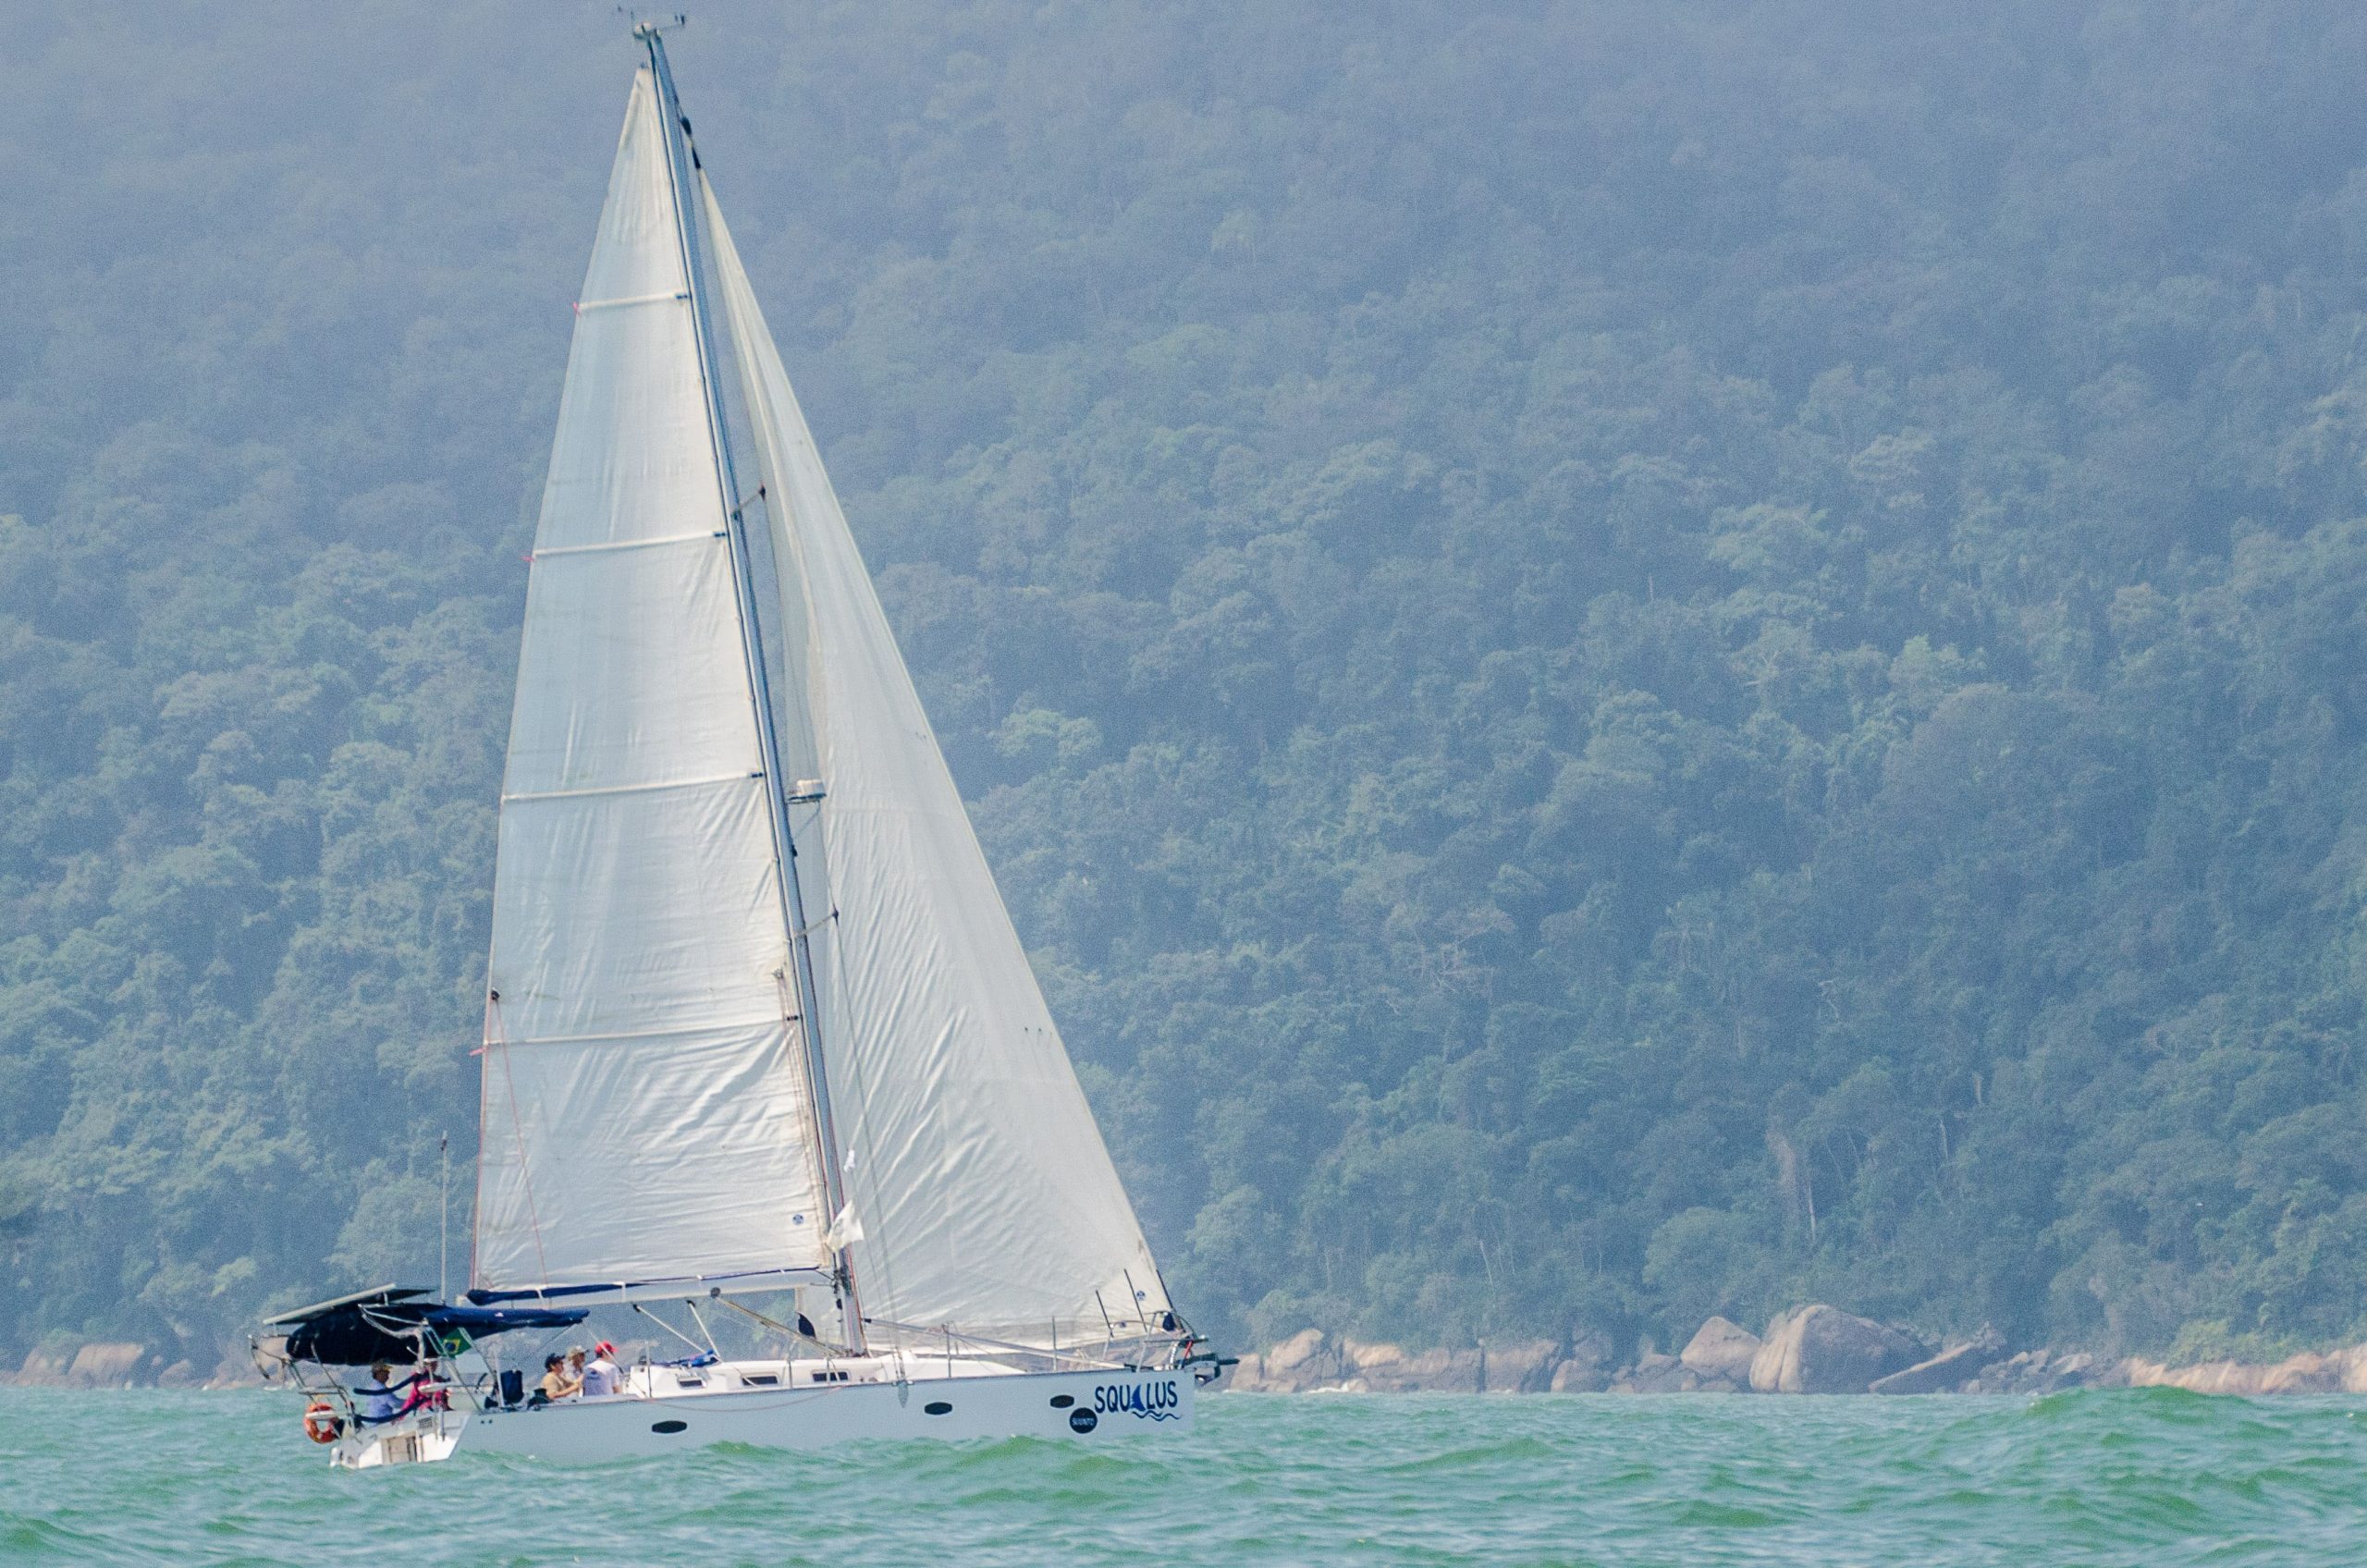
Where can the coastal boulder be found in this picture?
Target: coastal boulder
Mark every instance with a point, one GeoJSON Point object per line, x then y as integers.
{"type": "Point", "coordinates": [2078, 1370]}
{"type": "Point", "coordinates": [1656, 1374]}
{"type": "Point", "coordinates": [1585, 1367]}
{"type": "Point", "coordinates": [1445, 1371]}
{"type": "Point", "coordinates": [107, 1365]}
{"type": "Point", "coordinates": [1523, 1366]}
{"type": "Point", "coordinates": [1306, 1360]}
{"type": "Point", "coordinates": [1382, 1368]}
{"type": "Point", "coordinates": [1822, 1350]}
{"type": "Point", "coordinates": [2308, 1373]}
{"type": "Point", "coordinates": [2021, 1374]}
{"type": "Point", "coordinates": [1767, 1361]}
{"type": "Point", "coordinates": [1949, 1370]}
{"type": "Point", "coordinates": [2043, 1372]}
{"type": "Point", "coordinates": [1576, 1376]}
{"type": "Point", "coordinates": [235, 1369]}
{"type": "Point", "coordinates": [1721, 1350]}
{"type": "Point", "coordinates": [45, 1369]}
{"type": "Point", "coordinates": [1296, 1352]}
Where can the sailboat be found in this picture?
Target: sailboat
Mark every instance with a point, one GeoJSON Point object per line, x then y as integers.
{"type": "Point", "coordinates": [758, 1025]}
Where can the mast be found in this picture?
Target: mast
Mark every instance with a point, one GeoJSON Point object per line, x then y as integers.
{"type": "Point", "coordinates": [679, 161]}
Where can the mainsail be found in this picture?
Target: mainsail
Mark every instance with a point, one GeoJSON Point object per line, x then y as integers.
{"type": "Point", "coordinates": [652, 1113]}
{"type": "Point", "coordinates": [646, 1114]}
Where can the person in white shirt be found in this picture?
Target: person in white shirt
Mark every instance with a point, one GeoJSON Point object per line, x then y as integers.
{"type": "Point", "coordinates": [601, 1376]}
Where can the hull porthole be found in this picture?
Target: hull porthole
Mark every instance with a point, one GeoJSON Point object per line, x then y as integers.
{"type": "Point", "coordinates": [937, 1407]}
{"type": "Point", "coordinates": [1061, 1402]}
{"type": "Point", "coordinates": [670, 1428]}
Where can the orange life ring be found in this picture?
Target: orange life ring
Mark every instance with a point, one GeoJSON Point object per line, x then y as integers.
{"type": "Point", "coordinates": [320, 1423]}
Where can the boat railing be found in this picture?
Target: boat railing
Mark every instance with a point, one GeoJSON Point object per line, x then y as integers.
{"type": "Point", "coordinates": [1093, 1355]}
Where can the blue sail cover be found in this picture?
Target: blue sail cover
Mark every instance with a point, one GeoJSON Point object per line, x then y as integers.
{"type": "Point", "coordinates": [478, 1322]}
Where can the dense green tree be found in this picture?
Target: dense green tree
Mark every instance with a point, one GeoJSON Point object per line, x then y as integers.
{"type": "Point", "coordinates": [1621, 661]}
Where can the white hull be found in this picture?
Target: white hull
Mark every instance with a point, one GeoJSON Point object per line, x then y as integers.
{"type": "Point", "coordinates": [1091, 1406]}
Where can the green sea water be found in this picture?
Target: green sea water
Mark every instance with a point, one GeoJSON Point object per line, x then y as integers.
{"type": "Point", "coordinates": [2150, 1476]}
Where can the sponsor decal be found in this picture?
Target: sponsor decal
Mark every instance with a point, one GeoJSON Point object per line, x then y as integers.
{"type": "Point", "coordinates": [1081, 1420]}
{"type": "Point", "coordinates": [1153, 1401]}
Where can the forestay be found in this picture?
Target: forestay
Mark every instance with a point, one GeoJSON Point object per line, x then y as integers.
{"type": "Point", "coordinates": [645, 1116]}
{"type": "Point", "coordinates": [973, 1166]}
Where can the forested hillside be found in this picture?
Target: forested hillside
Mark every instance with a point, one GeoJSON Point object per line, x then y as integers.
{"type": "Point", "coordinates": [1620, 660]}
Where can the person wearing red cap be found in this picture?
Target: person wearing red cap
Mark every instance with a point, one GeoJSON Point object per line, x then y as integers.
{"type": "Point", "coordinates": [601, 1376]}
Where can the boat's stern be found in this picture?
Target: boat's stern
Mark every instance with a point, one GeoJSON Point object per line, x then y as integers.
{"type": "Point", "coordinates": [422, 1437]}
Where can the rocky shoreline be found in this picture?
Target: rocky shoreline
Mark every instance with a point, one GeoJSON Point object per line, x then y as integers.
{"type": "Point", "coordinates": [121, 1364]}
{"type": "Point", "coordinates": [1815, 1348]}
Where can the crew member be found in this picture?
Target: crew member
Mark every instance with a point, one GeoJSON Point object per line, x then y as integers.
{"type": "Point", "coordinates": [380, 1402]}
{"type": "Point", "coordinates": [603, 1377]}
{"type": "Point", "coordinates": [556, 1383]}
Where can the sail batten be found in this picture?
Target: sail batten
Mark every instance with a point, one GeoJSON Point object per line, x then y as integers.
{"type": "Point", "coordinates": [700, 538]}
{"type": "Point", "coordinates": [723, 778]}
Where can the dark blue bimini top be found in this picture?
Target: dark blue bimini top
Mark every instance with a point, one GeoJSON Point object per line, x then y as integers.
{"type": "Point", "coordinates": [381, 1327]}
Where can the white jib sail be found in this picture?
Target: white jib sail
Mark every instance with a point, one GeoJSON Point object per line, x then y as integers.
{"type": "Point", "coordinates": [985, 1195]}
{"type": "Point", "coordinates": [645, 1116]}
